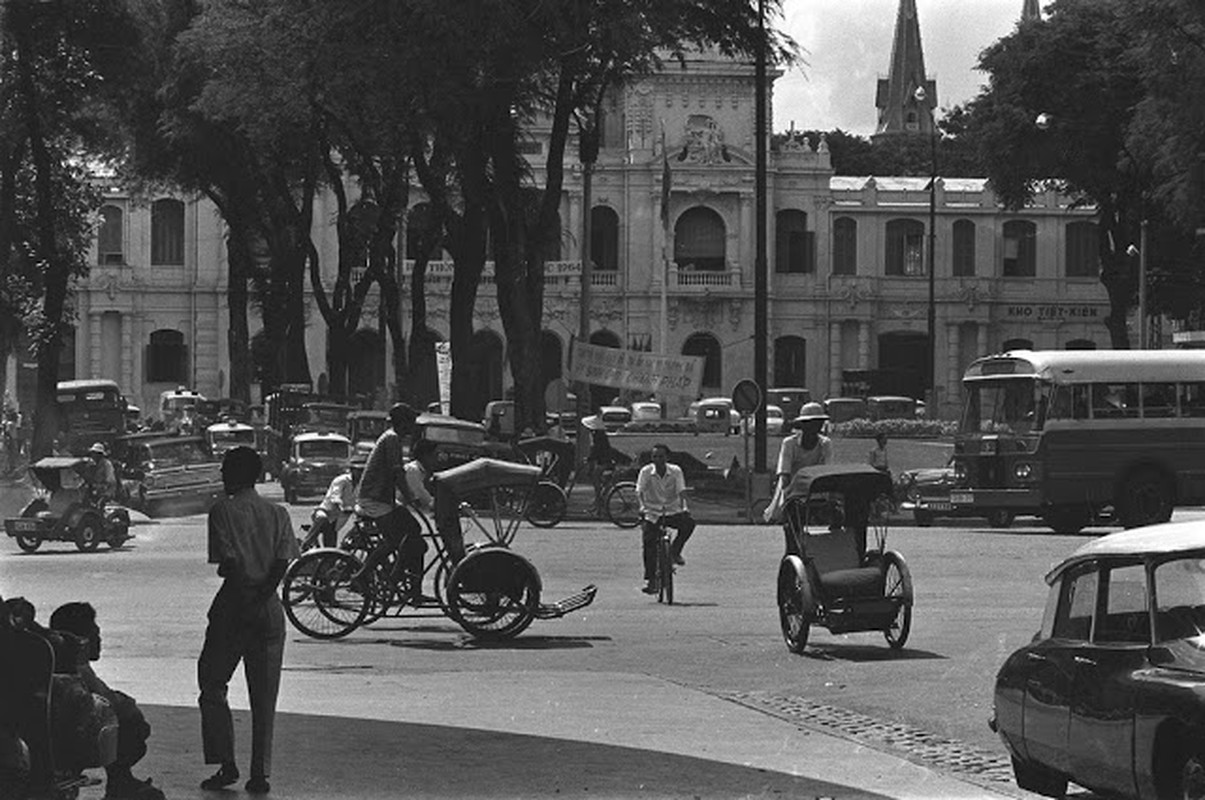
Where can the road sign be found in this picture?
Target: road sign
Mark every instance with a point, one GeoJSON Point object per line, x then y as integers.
{"type": "Point", "coordinates": [746, 397]}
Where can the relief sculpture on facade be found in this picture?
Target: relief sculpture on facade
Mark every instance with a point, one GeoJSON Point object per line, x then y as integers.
{"type": "Point", "coordinates": [704, 143]}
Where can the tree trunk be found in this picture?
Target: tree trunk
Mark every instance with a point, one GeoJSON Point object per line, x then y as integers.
{"type": "Point", "coordinates": [238, 338]}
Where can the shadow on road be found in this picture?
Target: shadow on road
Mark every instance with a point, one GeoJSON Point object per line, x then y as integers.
{"type": "Point", "coordinates": [867, 654]}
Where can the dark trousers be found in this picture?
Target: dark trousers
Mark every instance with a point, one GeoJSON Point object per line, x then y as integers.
{"type": "Point", "coordinates": [251, 631]}
{"type": "Point", "coordinates": [132, 732]}
{"type": "Point", "coordinates": [682, 522]}
{"type": "Point", "coordinates": [397, 527]}
{"type": "Point", "coordinates": [447, 522]}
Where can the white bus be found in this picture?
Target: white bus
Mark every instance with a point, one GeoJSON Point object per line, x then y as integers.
{"type": "Point", "coordinates": [1067, 434]}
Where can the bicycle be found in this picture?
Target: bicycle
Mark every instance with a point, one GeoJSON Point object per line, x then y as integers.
{"type": "Point", "coordinates": [663, 576]}
{"type": "Point", "coordinates": [614, 500]}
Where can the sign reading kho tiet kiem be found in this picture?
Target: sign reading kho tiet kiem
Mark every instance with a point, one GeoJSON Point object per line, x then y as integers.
{"type": "Point", "coordinates": [636, 370]}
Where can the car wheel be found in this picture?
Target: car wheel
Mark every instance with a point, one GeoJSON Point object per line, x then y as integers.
{"type": "Point", "coordinates": [924, 519]}
{"type": "Point", "coordinates": [87, 535]}
{"type": "Point", "coordinates": [1000, 518]}
{"type": "Point", "coordinates": [29, 543]}
{"type": "Point", "coordinates": [1039, 779]}
{"type": "Point", "coordinates": [1144, 499]}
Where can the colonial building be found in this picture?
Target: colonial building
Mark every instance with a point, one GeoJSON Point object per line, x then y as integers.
{"type": "Point", "coordinates": [849, 283]}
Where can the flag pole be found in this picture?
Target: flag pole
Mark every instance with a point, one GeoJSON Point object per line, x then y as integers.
{"type": "Point", "coordinates": [666, 182]}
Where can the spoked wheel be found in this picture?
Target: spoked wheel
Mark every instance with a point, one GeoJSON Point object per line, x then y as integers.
{"type": "Point", "coordinates": [546, 505]}
{"type": "Point", "coordinates": [360, 541]}
{"type": "Point", "coordinates": [318, 597]}
{"type": "Point", "coordinates": [493, 593]}
{"type": "Point", "coordinates": [795, 611]}
{"type": "Point", "coordinates": [897, 587]}
{"type": "Point", "coordinates": [622, 506]}
{"type": "Point", "coordinates": [28, 543]}
{"type": "Point", "coordinates": [665, 572]}
{"type": "Point", "coordinates": [87, 536]}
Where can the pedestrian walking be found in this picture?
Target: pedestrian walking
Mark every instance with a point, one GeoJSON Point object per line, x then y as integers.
{"type": "Point", "coordinates": [878, 453]}
{"type": "Point", "coordinates": [252, 541]}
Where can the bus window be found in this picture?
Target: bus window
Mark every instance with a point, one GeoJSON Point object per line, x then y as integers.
{"type": "Point", "coordinates": [1158, 400]}
{"type": "Point", "coordinates": [1192, 399]}
{"type": "Point", "coordinates": [1004, 406]}
{"type": "Point", "coordinates": [1115, 400]}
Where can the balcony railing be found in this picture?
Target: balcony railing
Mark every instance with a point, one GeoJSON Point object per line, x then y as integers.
{"type": "Point", "coordinates": [692, 280]}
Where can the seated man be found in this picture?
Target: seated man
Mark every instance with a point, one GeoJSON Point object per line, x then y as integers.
{"type": "Point", "coordinates": [100, 475]}
{"type": "Point", "coordinates": [133, 730]}
{"type": "Point", "coordinates": [336, 508]}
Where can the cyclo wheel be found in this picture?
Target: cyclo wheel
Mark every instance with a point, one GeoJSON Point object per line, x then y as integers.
{"type": "Point", "coordinates": [622, 505]}
{"type": "Point", "coordinates": [493, 593]}
{"type": "Point", "coordinates": [28, 543]}
{"type": "Point", "coordinates": [546, 505]}
{"type": "Point", "coordinates": [665, 572]}
{"type": "Point", "coordinates": [897, 586]}
{"type": "Point", "coordinates": [318, 597]}
{"type": "Point", "coordinates": [795, 612]}
{"type": "Point", "coordinates": [87, 535]}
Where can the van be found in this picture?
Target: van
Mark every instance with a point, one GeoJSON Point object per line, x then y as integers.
{"type": "Point", "coordinates": [890, 407]}
{"type": "Point", "coordinates": [843, 409]}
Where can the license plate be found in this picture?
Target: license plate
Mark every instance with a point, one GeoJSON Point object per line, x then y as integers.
{"type": "Point", "coordinates": [25, 525]}
{"type": "Point", "coordinates": [962, 498]}
{"type": "Point", "coordinates": [940, 505]}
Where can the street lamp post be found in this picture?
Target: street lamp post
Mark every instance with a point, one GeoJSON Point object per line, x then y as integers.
{"type": "Point", "coordinates": [931, 401]}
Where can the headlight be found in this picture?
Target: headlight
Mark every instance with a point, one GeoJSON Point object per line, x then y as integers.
{"type": "Point", "coordinates": [960, 471]}
{"type": "Point", "coordinates": [1023, 471]}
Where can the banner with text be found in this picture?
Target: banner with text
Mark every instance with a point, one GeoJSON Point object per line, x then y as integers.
{"type": "Point", "coordinates": [635, 369]}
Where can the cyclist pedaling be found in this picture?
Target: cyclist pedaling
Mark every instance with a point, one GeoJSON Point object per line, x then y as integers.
{"type": "Point", "coordinates": [660, 487]}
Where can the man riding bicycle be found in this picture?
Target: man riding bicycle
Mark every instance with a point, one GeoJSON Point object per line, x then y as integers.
{"type": "Point", "coordinates": [660, 486]}
{"type": "Point", "coordinates": [336, 508]}
{"type": "Point", "coordinates": [384, 477]}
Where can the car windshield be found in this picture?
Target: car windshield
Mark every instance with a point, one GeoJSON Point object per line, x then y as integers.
{"type": "Point", "coordinates": [1015, 406]}
{"type": "Point", "coordinates": [175, 454]}
{"type": "Point", "coordinates": [233, 437]}
{"type": "Point", "coordinates": [369, 427]}
{"type": "Point", "coordinates": [323, 449]}
{"type": "Point", "coordinates": [436, 433]}
{"type": "Point", "coordinates": [336, 417]}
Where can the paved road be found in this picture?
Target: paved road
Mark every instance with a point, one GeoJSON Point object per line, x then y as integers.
{"type": "Point", "coordinates": [715, 657]}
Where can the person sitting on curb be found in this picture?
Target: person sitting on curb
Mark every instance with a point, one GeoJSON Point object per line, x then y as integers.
{"type": "Point", "coordinates": [79, 619]}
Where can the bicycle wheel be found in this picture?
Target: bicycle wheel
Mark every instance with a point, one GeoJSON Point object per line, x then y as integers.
{"type": "Point", "coordinates": [665, 572]}
{"type": "Point", "coordinates": [546, 505]}
{"type": "Point", "coordinates": [493, 593]}
{"type": "Point", "coordinates": [318, 598]}
{"type": "Point", "coordinates": [622, 505]}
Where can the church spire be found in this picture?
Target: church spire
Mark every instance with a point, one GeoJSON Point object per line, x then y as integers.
{"type": "Point", "coordinates": [899, 109]}
{"type": "Point", "coordinates": [1030, 10]}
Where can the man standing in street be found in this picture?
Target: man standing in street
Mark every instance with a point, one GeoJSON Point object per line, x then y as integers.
{"type": "Point", "coordinates": [251, 540]}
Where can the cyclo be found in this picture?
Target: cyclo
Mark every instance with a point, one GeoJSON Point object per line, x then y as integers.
{"type": "Point", "coordinates": [493, 593]}
{"type": "Point", "coordinates": [828, 576]}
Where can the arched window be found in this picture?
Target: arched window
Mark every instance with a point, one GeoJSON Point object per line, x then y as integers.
{"type": "Point", "coordinates": [167, 233]}
{"type": "Point", "coordinates": [1020, 249]}
{"type": "Point", "coordinates": [706, 345]}
{"type": "Point", "coordinates": [420, 238]}
{"type": "Point", "coordinates": [1016, 344]}
{"type": "Point", "coordinates": [794, 243]}
{"type": "Point", "coordinates": [845, 246]}
{"type": "Point", "coordinates": [699, 240]}
{"type": "Point", "coordinates": [905, 247]}
{"type": "Point", "coordinates": [1083, 250]}
{"type": "Point", "coordinates": [790, 361]}
{"type": "Point", "coordinates": [167, 358]}
{"type": "Point", "coordinates": [964, 248]}
{"type": "Point", "coordinates": [1080, 344]}
{"type": "Point", "coordinates": [604, 238]}
{"type": "Point", "coordinates": [111, 238]}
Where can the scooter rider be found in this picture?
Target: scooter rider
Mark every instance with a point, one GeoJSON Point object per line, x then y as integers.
{"type": "Point", "coordinates": [100, 475]}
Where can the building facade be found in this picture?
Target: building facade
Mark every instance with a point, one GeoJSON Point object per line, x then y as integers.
{"type": "Point", "coordinates": [848, 262]}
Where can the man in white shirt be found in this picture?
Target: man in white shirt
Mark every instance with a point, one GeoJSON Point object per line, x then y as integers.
{"type": "Point", "coordinates": [660, 486]}
{"type": "Point", "coordinates": [336, 508]}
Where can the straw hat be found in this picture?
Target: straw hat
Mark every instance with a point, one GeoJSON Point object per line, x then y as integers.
{"type": "Point", "coordinates": [811, 412]}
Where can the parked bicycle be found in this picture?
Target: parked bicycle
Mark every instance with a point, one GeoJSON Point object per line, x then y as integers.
{"type": "Point", "coordinates": [493, 592]}
{"type": "Point", "coordinates": [614, 499]}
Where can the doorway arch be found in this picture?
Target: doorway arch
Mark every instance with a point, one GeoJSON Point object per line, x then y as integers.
{"type": "Point", "coordinates": [707, 346]}
{"type": "Point", "coordinates": [904, 363]}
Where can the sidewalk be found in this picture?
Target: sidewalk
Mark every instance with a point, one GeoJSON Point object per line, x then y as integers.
{"type": "Point", "coordinates": [352, 732]}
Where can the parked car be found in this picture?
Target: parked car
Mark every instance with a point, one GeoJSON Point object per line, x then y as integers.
{"type": "Point", "coordinates": [843, 409]}
{"type": "Point", "coordinates": [644, 410]}
{"type": "Point", "coordinates": [64, 510]}
{"type": "Point", "coordinates": [315, 458]}
{"type": "Point", "coordinates": [890, 407]}
{"type": "Point", "coordinates": [775, 422]}
{"type": "Point", "coordinates": [168, 475]}
{"type": "Point", "coordinates": [715, 414]}
{"type": "Point", "coordinates": [615, 417]}
{"type": "Point", "coordinates": [364, 428]}
{"type": "Point", "coordinates": [1110, 693]}
{"type": "Point", "coordinates": [790, 400]}
{"type": "Point", "coordinates": [926, 493]}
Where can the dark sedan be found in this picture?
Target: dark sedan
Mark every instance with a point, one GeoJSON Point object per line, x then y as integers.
{"type": "Point", "coordinates": [1110, 694]}
{"type": "Point", "coordinates": [926, 493]}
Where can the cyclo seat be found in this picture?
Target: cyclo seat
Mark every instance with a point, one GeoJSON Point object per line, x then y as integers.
{"type": "Point", "coordinates": [838, 565]}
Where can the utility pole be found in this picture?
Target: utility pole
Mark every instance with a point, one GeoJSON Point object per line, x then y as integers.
{"type": "Point", "coordinates": [760, 279]}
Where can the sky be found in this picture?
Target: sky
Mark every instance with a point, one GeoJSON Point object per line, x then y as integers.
{"type": "Point", "coordinates": [846, 45]}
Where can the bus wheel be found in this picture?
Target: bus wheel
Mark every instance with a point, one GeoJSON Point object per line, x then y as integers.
{"type": "Point", "coordinates": [1067, 519]}
{"type": "Point", "coordinates": [1144, 499]}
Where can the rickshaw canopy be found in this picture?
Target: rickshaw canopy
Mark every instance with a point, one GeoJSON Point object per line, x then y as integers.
{"type": "Point", "coordinates": [859, 483]}
{"type": "Point", "coordinates": [486, 473]}
{"type": "Point", "coordinates": [47, 470]}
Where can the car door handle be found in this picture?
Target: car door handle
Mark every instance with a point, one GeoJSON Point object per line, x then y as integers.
{"type": "Point", "coordinates": [1088, 662]}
